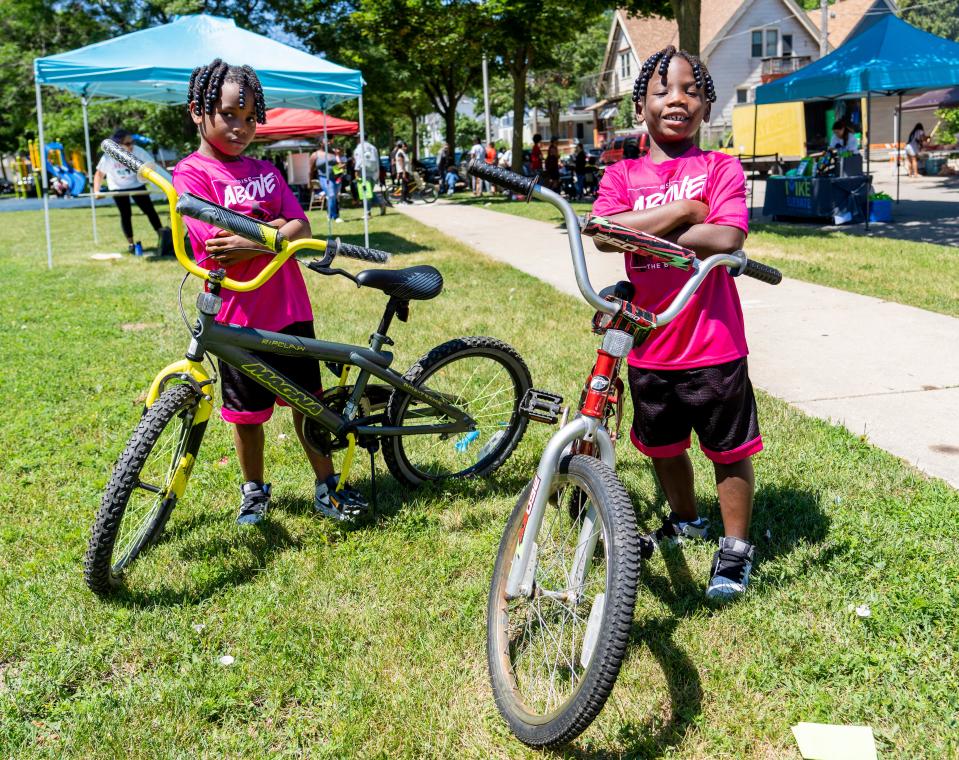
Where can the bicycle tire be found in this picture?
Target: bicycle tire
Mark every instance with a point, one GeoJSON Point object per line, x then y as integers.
{"type": "Point", "coordinates": [619, 566]}
{"type": "Point", "coordinates": [103, 574]}
{"type": "Point", "coordinates": [501, 426]}
{"type": "Point", "coordinates": [429, 193]}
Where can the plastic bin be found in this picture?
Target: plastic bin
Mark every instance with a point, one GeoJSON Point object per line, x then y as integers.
{"type": "Point", "coordinates": [880, 211]}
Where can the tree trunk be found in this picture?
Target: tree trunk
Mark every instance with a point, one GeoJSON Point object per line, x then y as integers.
{"type": "Point", "coordinates": [450, 118]}
{"type": "Point", "coordinates": [554, 119]}
{"type": "Point", "coordinates": [413, 138]}
{"type": "Point", "coordinates": [518, 70]}
{"type": "Point", "coordinates": [687, 19]}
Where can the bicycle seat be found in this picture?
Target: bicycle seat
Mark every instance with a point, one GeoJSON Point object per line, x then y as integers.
{"type": "Point", "coordinates": [410, 284]}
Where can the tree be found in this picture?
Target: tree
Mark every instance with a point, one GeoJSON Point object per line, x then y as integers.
{"type": "Point", "coordinates": [439, 42]}
{"type": "Point", "coordinates": [685, 12]}
{"type": "Point", "coordinates": [941, 18]}
{"type": "Point", "coordinates": [525, 33]}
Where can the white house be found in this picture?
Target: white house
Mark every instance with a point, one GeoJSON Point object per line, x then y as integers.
{"type": "Point", "coordinates": [744, 43]}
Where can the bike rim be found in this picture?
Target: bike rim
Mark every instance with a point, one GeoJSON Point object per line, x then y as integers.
{"type": "Point", "coordinates": [483, 387]}
{"type": "Point", "coordinates": [547, 641]}
{"type": "Point", "coordinates": [148, 498]}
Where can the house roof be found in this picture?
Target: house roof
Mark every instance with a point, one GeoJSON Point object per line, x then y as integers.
{"type": "Point", "coordinates": [844, 16]}
{"type": "Point", "coordinates": [647, 35]}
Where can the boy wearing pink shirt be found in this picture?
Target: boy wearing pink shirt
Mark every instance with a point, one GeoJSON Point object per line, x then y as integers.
{"type": "Point", "coordinates": [226, 103]}
{"type": "Point", "coordinates": [692, 373]}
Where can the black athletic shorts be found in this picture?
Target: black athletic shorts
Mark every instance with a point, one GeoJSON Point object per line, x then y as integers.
{"type": "Point", "coordinates": [247, 402]}
{"type": "Point", "coordinates": [717, 402]}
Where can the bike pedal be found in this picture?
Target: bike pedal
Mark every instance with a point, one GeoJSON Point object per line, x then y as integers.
{"type": "Point", "coordinates": [541, 406]}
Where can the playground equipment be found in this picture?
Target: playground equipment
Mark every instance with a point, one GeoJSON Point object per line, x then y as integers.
{"type": "Point", "coordinates": [25, 179]}
{"type": "Point", "coordinates": [59, 167]}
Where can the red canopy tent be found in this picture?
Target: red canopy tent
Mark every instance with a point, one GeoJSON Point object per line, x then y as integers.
{"type": "Point", "coordinates": [301, 122]}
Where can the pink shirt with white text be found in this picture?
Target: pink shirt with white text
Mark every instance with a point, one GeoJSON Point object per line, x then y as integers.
{"type": "Point", "coordinates": [709, 331]}
{"type": "Point", "coordinates": [252, 187]}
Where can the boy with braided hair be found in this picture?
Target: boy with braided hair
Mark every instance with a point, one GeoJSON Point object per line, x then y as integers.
{"type": "Point", "coordinates": [226, 103]}
{"type": "Point", "coordinates": [692, 373]}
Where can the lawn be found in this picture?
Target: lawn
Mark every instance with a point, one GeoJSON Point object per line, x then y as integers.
{"type": "Point", "coordinates": [371, 642]}
{"type": "Point", "coordinates": [904, 271]}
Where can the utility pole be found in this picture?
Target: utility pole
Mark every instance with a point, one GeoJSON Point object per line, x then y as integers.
{"type": "Point", "coordinates": [824, 28]}
{"type": "Point", "coordinates": [486, 98]}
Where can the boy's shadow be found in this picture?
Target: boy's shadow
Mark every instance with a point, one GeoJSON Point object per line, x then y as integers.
{"type": "Point", "coordinates": [792, 517]}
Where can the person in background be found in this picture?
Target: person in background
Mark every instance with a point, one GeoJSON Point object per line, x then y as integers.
{"type": "Point", "coordinates": [579, 166]}
{"type": "Point", "coordinates": [324, 162]}
{"type": "Point", "coordinates": [843, 140]}
{"type": "Point", "coordinates": [552, 165]}
{"type": "Point", "coordinates": [917, 139]}
{"type": "Point", "coordinates": [442, 164]}
{"type": "Point", "coordinates": [402, 171]}
{"type": "Point", "coordinates": [477, 153]}
{"type": "Point", "coordinates": [367, 158]}
{"type": "Point", "coordinates": [536, 155]}
{"type": "Point", "coordinates": [122, 179]}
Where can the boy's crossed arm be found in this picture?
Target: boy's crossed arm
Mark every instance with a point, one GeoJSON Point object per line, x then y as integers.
{"type": "Point", "coordinates": [681, 222]}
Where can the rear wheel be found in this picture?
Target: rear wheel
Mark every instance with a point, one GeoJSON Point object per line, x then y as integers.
{"type": "Point", "coordinates": [141, 494]}
{"type": "Point", "coordinates": [485, 378]}
{"type": "Point", "coordinates": [429, 193]}
{"type": "Point", "coordinates": [554, 655]}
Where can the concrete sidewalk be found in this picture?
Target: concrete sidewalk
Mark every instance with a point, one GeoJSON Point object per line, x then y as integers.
{"type": "Point", "coordinates": [885, 370]}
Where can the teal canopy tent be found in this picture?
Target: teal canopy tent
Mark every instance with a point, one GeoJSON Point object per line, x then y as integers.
{"type": "Point", "coordinates": [891, 57]}
{"type": "Point", "coordinates": [155, 65]}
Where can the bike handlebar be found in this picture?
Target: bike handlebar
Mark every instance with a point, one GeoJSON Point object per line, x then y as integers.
{"type": "Point", "coordinates": [737, 261]}
{"type": "Point", "coordinates": [199, 208]}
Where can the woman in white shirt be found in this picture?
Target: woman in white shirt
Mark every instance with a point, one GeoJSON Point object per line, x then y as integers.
{"type": "Point", "coordinates": [844, 140]}
{"type": "Point", "coordinates": [913, 147]}
{"type": "Point", "coordinates": [122, 179]}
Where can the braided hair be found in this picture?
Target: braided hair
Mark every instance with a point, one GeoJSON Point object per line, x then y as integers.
{"type": "Point", "coordinates": [659, 62]}
{"type": "Point", "coordinates": [206, 86]}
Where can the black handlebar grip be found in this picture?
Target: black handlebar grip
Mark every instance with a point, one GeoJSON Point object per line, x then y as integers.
{"type": "Point", "coordinates": [763, 272]}
{"type": "Point", "coordinates": [357, 251]}
{"type": "Point", "coordinates": [502, 177]}
{"type": "Point", "coordinates": [196, 207]}
{"type": "Point", "coordinates": [125, 157]}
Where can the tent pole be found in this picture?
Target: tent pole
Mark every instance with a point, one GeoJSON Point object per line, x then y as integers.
{"type": "Point", "coordinates": [868, 153]}
{"type": "Point", "coordinates": [86, 137]}
{"type": "Point", "coordinates": [366, 201]}
{"type": "Point", "coordinates": [898, 141]}
{"type": "Point", "coordinates": [326, 173]}
{"type": "Point", "coordinates": [43, 168]}
{"type": "Point", "coordinates": [752, 179]}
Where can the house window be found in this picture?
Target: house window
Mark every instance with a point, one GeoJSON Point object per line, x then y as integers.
{"type": "Point", "coordinates": [624, 64]}
{"type": "Point", "coordinates": [742, 95]}
{"type": "Point", "coordinates": [764, 43]}
{"type": "Point", "coordinates": [772, 43]}
{"type": "Point", "coordinates": [787, 45]}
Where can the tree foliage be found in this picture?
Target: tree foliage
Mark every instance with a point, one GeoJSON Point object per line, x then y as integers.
{"type": "Point", "coordinates": [940, 18]}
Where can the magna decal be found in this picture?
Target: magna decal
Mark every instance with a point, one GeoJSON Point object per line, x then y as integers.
{"type": "Point", "coordinates": [302, 401]}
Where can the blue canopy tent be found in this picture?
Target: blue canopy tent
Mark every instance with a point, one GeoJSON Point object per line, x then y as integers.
{"type": "Point", "coordinates": [891, 57]}
{"type": "Point", "coordinates": [155, 65]}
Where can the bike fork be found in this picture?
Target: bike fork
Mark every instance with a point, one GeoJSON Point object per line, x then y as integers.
{"type": "Point", "coordinates": [520, 580]}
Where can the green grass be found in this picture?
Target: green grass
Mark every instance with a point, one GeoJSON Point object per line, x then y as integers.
{"type": "Point", "coordinates": [370, 642]}
{"type": "Point", "coordinates": [916, 274]}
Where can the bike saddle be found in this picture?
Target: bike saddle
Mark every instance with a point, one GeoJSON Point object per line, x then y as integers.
{"type": "Point", "coordinates": [624, 290]}
{"type": "Point", "coordinates": [411, 284]}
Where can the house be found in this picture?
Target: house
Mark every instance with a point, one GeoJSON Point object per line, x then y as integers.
{"type": "Point", "coordinates": [744, 44]}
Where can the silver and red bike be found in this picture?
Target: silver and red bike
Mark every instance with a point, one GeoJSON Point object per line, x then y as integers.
{"type": "Point", "coordinates": [564, 584]}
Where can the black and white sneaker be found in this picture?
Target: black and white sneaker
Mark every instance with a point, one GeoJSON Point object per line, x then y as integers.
{"type": "Point", "coordinates": [730, 571]}
{"type": "Point", "coordinates": [254, 503]}
{"type": "Point", "coordinates": [344, 505]}
{"type": "Point", "coordinates": [673, 530]}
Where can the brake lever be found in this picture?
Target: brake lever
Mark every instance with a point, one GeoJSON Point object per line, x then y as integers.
{"type": "Point", "coordinates": [322, 266]}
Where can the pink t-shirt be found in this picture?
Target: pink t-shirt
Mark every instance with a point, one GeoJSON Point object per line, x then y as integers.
{"type": "Point", "coordinates": [252, 187]}
{"type": "Point", "coordinates": [709, 330]}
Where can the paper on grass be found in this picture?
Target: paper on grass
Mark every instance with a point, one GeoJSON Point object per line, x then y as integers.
{"type": "Point", "coordinates": [106, 256]}
{"type": "Point", "coordinates": [822, 741]}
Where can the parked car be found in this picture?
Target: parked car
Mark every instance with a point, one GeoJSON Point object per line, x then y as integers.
{"type": "Point", "coordinates": [631, 145]}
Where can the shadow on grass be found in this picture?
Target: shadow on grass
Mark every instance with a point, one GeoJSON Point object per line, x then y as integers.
{"type": "Point", "coordinates": [793, 517]}
{"type": "Point", "coordinates": [388, 241]}
{"type": "Point", "coordinates": [247, 551]}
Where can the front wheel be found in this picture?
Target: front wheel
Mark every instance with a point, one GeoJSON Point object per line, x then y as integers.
{"type": "Point", "coordinates": [429, 193]}
{"type": "Point", "coordinates": [555, 653]}
{"type": "Point", "coordinates": [483, 377]}
{"type": "Point", "coordinates": [148, 478]}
